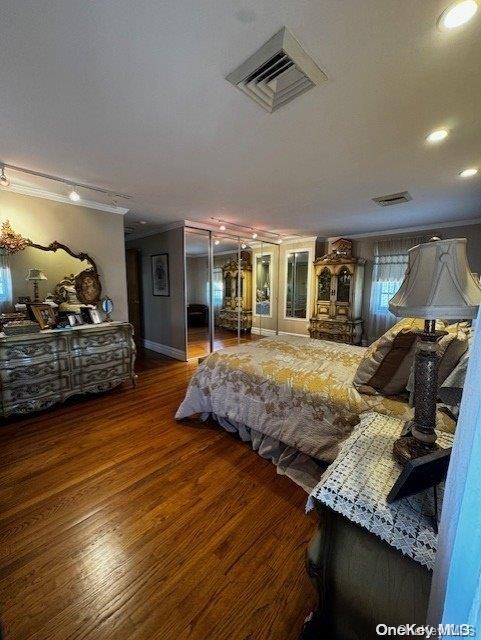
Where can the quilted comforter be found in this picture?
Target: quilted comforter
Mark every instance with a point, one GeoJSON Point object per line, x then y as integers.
{"type": "Point", "coordinates": [294, 389]}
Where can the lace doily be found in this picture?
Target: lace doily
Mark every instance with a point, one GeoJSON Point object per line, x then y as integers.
{"type": "Point", "coordinates": [358, 481]}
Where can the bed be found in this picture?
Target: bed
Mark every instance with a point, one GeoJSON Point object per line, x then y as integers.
{"type": "Point", "coordinates": [286, 394]}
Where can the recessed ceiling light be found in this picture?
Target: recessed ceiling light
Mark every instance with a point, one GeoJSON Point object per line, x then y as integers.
{"type": "Point", "coordinates": [74, 196]}
{"type": "Point", "coordinates": [437, 135]}
{"type": "Point", "coordinates": [468, 173]}
{"type": "Point", "coordinates": [458, 14]}
{"type": "Point", "coordinates": [279, 241]}
{"type": "Point", "coordinates": [216, 242]}
{"type": "Point", "coordinates": [222, 227]}
{"type": "Point", "coordinates": [243, 245]}
{"type": "Point", "coordinates": [254, 236]}
{"type": "Point", "coordinates": [143, 222]}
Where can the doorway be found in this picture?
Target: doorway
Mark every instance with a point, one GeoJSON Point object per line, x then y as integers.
{"type": "Point", "coordinates": [134, 294]}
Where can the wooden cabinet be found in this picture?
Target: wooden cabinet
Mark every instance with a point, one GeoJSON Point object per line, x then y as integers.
{"type": "Point", "coordinates": [337, 308]}
{"type": "Point", "coordinates": [237, 296]}
{"type": "Point", "coordinates": [38, 370]}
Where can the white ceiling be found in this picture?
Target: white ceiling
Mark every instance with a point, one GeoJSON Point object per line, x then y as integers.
{"type": "Point", "coordinates": [131, 96]}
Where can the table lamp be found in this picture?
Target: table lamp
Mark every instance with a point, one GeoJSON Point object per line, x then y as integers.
{"type": "Point", "coordinates": [35, 276]}
{"type": "Point", "coordinates": [438, 284]}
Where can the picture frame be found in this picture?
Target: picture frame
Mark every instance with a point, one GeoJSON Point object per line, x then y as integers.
{"type": "Point", "coordinates": [43, 314]}
{"type": "Point", "coordinates": [75, 319]}
{"type": "Point", "coordinates": [95, 316]}
{"type": "Point", "coordinates": [420, 474]}
{"type": "Point", "coordinates": [160, 274]}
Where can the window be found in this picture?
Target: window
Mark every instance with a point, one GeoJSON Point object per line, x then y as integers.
{"type": "Point", "coordinates": [390, 263]}
{"type": "Point", "coordinates": [386, 290]}
{"type": "Point", "coordinates": [5, 282]}
{"type": "Point", "coordinates": [297, 284]}
{"type": "Point", "coordinates": [217, 288]}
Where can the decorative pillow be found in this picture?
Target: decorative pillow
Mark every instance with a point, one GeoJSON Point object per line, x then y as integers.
{"type": "Point", "coordinates": [451, 347]}
{"type": "Point", "coordinates": [387, 363]}
{"type": "Point", "coordinates": [451, 388]}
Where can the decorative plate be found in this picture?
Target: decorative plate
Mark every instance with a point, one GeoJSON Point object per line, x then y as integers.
{"type": "Point", "coordinates": [88, 287]}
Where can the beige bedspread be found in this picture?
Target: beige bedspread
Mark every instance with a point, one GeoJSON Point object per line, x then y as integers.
{"type": "Point", "coordinates": [294, 389]}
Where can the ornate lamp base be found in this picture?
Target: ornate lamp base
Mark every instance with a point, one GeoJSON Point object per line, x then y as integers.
{"type": "Point", "coordinates": [420, 437]}
{"type": "Point", "coordinates": [408, 448]}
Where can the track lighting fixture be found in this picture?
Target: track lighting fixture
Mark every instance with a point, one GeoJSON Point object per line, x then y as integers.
{"type": "Point", "coordinates": [4, 180]}
{"type": "Point", "coordinates": [73, 195]}
{"type": "Point", "coordinates": [244, 230]}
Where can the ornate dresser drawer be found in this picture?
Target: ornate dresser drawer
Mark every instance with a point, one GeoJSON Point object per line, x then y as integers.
{"type": "Point", "coordinates": [38, 370]}
{"type": "Point", "coordinates": [33, 371]}
{"type": "Point", "coordinates": [18, 350]}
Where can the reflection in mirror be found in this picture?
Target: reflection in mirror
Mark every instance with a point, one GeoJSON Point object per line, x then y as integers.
{"type": "Point", "coordinates": [263, 284]}
{"type": "Point", "coordinates": [324, 285]}
{"type": "Point", "coordinates": [34, 270]}
{"type": "Point", "coordinates": [197, 292]}
{"type": "Point", "coordinates": [297, 284]}
{"type": "Point", "coordinates": [232, 291]}
{"type": "Point", "coordinates": [343, 285]}
{"type": "Point", "coordinates": [265, 258]}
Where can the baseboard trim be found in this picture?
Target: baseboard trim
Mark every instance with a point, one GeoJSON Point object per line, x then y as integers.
{"type": "Point", "coordinates": [165, 350]}
{"type": "Point", "coordinates": [270, 332]}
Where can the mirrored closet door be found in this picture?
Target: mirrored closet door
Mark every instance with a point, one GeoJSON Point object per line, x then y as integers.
{"type": "Point", "coordinates": [265, 261]}
{"type": "Point", "coordinates": [197, 292]}
{"type": "Point", "coordinates": [231, 290]}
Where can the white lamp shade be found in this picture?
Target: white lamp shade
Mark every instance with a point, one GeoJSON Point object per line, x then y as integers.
{"type": "Point", "coordinates": [438, 283]}
{"type": "Point", "coordinates": [35, 275]}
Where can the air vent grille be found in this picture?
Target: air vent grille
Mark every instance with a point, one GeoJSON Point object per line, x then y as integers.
{"type": "Point", "coordinates": [277, 73]}
{"type": "Point", "coordinates": [393, 198]}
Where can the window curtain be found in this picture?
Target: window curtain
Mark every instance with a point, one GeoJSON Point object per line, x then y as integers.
{"type": "Point", "coordinates": [217, 290]}
{"type": "Point", "coordinates": [5, 283]}
{"type": "Point", "coordinates": [390, 262]}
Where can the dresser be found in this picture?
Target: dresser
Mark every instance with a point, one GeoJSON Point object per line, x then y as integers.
{"type": "Point", "coordinates": [339, 281]}
{"type": "Point", "coordinates": [38, 370]}
{"type": "Point", "coordinates": [237, 304]}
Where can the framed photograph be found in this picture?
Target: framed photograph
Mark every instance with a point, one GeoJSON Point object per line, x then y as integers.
{"type": "Point", "coordinates": [160, 274]}
{"type": "Point", "coordinates": [95, 316]}
{"type": "Point", "coordinates": [44, 314]}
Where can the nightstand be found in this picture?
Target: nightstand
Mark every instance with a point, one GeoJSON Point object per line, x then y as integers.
{"type": "Point", "coordinates": [371, 562]}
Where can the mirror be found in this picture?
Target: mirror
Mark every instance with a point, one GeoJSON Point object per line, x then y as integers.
{"type": "Point", "coordinates": [297, 284]}
{"type": "Point", "coordinates": [31, 272]}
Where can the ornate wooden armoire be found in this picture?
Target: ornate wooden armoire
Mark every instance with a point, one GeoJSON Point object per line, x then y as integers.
{"type": "Point", "coordinates": [236, 303]}
{"type": "Point", "coordinates": [339, 283]}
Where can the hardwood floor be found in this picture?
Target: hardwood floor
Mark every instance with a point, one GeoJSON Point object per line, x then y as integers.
{"type": "Point", "coordinates": [119, 523]}
{"type": "Point", "coordinates": [198, 344]}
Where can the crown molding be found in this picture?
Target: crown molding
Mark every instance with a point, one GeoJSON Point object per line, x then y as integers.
{"type": "Point", "coordinates": [48, 195]}
{"type": "Point", "coordinates": [421, 227]}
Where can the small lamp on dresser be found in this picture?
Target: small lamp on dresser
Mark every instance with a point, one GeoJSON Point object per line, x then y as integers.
{"type": "Point", "coordinates": [438, 284]}
{"type": "Point", "coordinates": [35, 276]}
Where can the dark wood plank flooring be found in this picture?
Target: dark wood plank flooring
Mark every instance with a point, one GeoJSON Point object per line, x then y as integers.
{"type": "Point", "coordinates": [119, 523]}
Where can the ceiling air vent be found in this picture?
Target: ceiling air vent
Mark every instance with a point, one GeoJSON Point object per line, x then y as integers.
{"type": "Point", "coordinates": [277, 73]}
{"type": "Point", "coordinates": [393, 198]}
